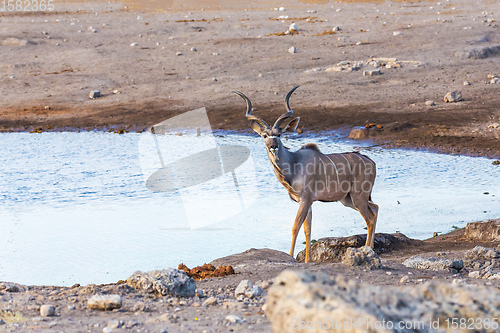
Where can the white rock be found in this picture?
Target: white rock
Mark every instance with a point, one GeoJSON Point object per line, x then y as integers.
{"type": "Point", "coordinates": [293, 27]}
{"type": "Point", "coordinates": [292, 50]}
{"type": "Point", "coordinates": [243, 287]}
{"type": "Point", "coordinates": [133, 44]}
{"type": "Point", "coordinates": [494, 125]}
{"type": "Point", "coordinates": [281, 9]}
{"type": "Point", "coordinates": [397, 33]}
{"type": "Point", "coordinates": [115, 323]}
{"type": "Point", "coordinates": [210, 301]}
{"type": "Point", "coordinates": [47, 310]}
{"type": "Point", "coordinates": [336, 29]}
{"type": "Point", "coordinates": [495, 80]}
{"type": "Point", "coordinates": [372, 72]}
{"type": "Point", "coordinates": [193, 49]}
{"type": "Point", "coordinates": [466, 83]}
{"type": "Point", "coordinates": [104, 302]}
{"type": "Point", "coordinates": [139, 17]}
{"type": "Point", "coordinates": [178, 53]}
{"type": "Point", "coordinates": [107, 330]}
{"type": "Point", "coordinates": [430, 103]}
{"type": "Point", "coordinates": [234, 319]}
{"type": "Point", "coordinates": [404, 279]}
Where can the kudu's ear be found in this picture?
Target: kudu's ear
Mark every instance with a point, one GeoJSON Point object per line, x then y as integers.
{"type": "Point", "coordinates": [292, 126]}
{"type": "Point", "coordinates": [258, 128]}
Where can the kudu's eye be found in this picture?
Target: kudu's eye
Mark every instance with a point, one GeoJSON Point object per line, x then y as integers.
{"type": "Point", "coordinates": [264, 136]}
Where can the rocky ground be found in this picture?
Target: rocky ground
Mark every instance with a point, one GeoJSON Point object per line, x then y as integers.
{"type": "Point", "coordinates": [384, 63]}
{"type": "Point", "coordinates": [461, 269]}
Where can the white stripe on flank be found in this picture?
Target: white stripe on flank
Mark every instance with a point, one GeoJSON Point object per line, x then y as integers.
{"type": "Point", "coordinates": [324, 167]}
{"type": "Point", "coordinates": [336, 171]}
{"type": "Point", "coordinates": [349, 164]}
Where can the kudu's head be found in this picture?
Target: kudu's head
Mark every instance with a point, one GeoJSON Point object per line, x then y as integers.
{"type": "Point", "coordinates": [271, 135]}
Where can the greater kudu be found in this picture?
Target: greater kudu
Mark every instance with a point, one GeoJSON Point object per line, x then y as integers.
{"type": "Point", "coordinates": [309, 175]}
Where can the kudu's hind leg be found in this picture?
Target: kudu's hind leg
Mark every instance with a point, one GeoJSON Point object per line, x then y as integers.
{"type": "Point", "coordinates": [299, 219]}
{"type": "Point", "coordinates": [369, 211]}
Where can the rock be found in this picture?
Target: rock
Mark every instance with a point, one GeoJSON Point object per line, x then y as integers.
{"type": "Point", "coordinates": [193, 49]}
{"type": "Point", "coordinates": [359, 133]}
{"type": "Point", "coordinates": [12, 287]}
{"type": "Point", "coordinates": [292, 50]}
{"type": "Point", "coordinates": [107, 330]}
{"type": "Point", "coordinates": [12, 41]}
{"type": "Point", "coordinates": [466, 83]}
{"type": "Point", "coordinates": [332, 249]}
{"type": "Point", "coordinates": [134, 44]}
{"type": "Point", "coordinates": [364, 256]}
{"type": "Point", "coordinates": [210, 301]}
{"type": "Point", "coordinates": [480, 53]}
{"type": "Point", "coordinates": [497, 162]}
{"type": "Point", "coordinates": [234, 319]}
{"type": "Point", "coordinates": [105, 302]}
{"type": "Point", "coordinates": [475, 274]}
{"type": "Point", "coordinates": [265, 284]}
{"type": "Point", "coordinates": [115, 323]}
{"type": "Point", "coordinates": [132, 323]}
{"type": "Point", "coordinates": [168, 281]}
{"type": "Point", "coordinates": [494, 125]}
{"type": "Point", "coordinates": [430, 103]}
{"type": "Point", "coordinates": [178, 53]}
{"type": "Point", "coordinates": [484, 231]}
{"type": "Point", "coordinates": [435, 264]}
{"type": "Point", "coordinates": [452, 97]}
{"type": "Point", "coordinates": [372, 72]}
{"type": "Point", "coordinates": [94, 94]}
{"type": "Point", "coordinates": [243, 287]}
{"type": "Point", "coordinates": [47, 310]}
{"type": "Point", "coordinates": [2, 322]}
{"type": "Point", "coordinates": [336, 29]}
{"type": "Point", "coordinates": [293, 27]}
{"type": "Point", "coordinates": [480, 252]}
{"type": "Point", "coordinates": [495, 80]}
{"type": "Point", "coordinates": [397, 33]}
{"type": "Point", "coordinates": [404, 279]}
{"type": "Point", "coordinates": [298, 299]}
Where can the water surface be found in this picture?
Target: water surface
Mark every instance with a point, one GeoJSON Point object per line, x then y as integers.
{"type": "Point", "coordinates": [74, 206]}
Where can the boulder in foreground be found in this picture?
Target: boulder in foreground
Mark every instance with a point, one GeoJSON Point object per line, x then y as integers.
{"type": "Point", "coordinates": [314, 303]}
{"type": "Point", "coordinates": [333, 249]}
{"type": "Point", "coordinates": [168, 281]}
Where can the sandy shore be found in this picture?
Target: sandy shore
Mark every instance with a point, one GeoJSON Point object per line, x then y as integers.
{"type": "Point", "coordinates": [185, 60]}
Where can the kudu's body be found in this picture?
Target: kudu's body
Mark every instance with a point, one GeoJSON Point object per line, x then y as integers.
{"type": "Point", "coordinates": [309, 175]}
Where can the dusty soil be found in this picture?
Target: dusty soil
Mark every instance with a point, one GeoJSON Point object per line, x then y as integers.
{"type": "Point", "coordinates": [144, 312]}
{"type": "Point", "coordinates": [55, 60]}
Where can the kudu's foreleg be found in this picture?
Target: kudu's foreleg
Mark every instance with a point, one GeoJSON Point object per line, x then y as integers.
{"type": "Point", "coordinates": [307, 232]}
{"type": "Point", "coordinates": [299, 219]}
